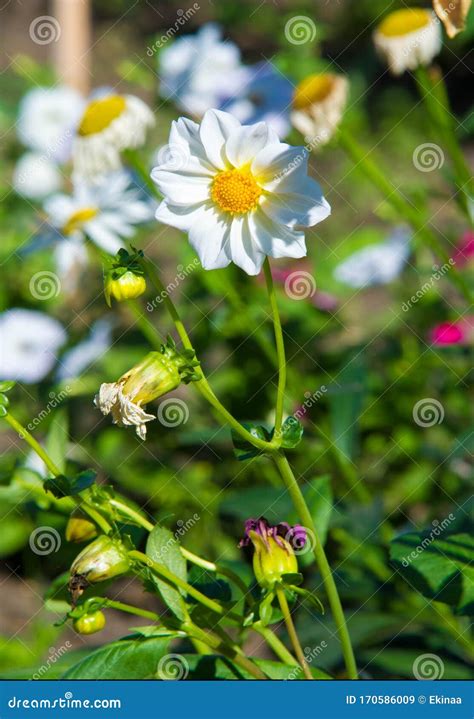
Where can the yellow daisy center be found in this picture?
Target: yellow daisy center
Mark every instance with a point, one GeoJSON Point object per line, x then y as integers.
{"type": "Point", "coordinates": [100, 113]}
{"type": "Point", "coordinates": [78, 218]}
{"type": "Point", "coordinates": [312, 89]}
{"type": "Point", "coordinates": [403, 22]}
{"type": "Point", "coordinates": [235, 191]}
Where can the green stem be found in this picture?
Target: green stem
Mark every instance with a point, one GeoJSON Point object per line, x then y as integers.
{"type": "Point", "coordinates": [321, 559]}
{"type": "Point", "coordinates": [55, 471]}
{"type": "Point", "coordinates": [171, 578]}
{"type": "Point", "coordinates": [285, 610]}
{"type": "Point", "coordinates": [112, 604]}
{"type": "Point", "coordinates": [148, 330]}
{"type": "Point", "coordinates": [360, 158]}
{"type": "Point", "coordinates": [280, 346]}
{"type": "Point", "coordinates": [274, 643]}
{"type": "Point", "coordinates": [435, 99]}
{"type": "Point", "coordinates": [202, 385]}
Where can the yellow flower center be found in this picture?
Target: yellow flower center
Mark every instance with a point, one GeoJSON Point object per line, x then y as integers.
{"type": "Point", "coordinates": [403, 22]}
{"type": "Point", "coordinates": [235, 191]}
{"type": "Point", "coordinates": [100, 113]}
{"type": "Point", "coordinates": [78, 218]}
{"type": "Point", "coordinates": [313, 89]}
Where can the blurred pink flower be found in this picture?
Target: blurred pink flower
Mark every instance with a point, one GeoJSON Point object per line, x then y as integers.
{"type": "Point", "coordinates": [465, 250]}
{"type": "Point", "coordinates": [447, 333]}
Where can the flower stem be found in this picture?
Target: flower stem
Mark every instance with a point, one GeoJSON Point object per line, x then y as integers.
{"type": "Point", "coordinates": [55, 471]}
{"type": "Point", "coordinates": [360, 158]}
{"type": "Point", "coordinates": [275, 644]}
{"type": "Point", "coordinates": [112, 604]}
{"type": "Point", "coordinates": [321, 559]}
{"type": "Point", "coordinates": [285, 610]}
{"type": "Point", "coordinates": [280, 346]}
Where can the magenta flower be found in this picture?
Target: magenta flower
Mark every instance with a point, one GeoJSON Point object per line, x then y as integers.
{"type": "Point", "coordinates": [465, 250]}
{"type": "Point", "coordinates": [295, 535]}
{"type": "Point", "coordinates": [447, 333]}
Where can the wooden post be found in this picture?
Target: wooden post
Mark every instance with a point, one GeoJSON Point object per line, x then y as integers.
{"type": "Point", "coordinates": [72, 51]}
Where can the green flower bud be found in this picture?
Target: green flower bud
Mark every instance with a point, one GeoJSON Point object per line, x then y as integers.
{"type": "Point", "coordinates": [121, 284]}
{"type": "Point", "coordinates": [90, 623]}
{"type": "Point", "coordinates": [104, 559]}
{"type": "Point", "coordinates": [79, 528]}
{"type": "Point", "coordinates": [273, 557]}
{"type": "Point", "coordinates": [157, 374]}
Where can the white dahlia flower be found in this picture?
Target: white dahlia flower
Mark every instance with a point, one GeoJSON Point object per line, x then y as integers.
{"type": "Point", "coordinates": [408, 38]}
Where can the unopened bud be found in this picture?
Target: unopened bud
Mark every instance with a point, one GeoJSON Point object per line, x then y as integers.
{"type": "Point", "coordinates": [79, 528]}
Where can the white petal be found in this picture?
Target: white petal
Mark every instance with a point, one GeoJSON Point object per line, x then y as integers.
{"type": "Point", "coordinates": [208, 235]}
{"type": "Point", "coordinates": [245, 142]}
{"type": "Point", "coordinates": [245, 253]}
{"type": "Point", "coordinates": [275, 239]}
{"type": "Point", "coordinates": [185, 135]}
{"type": "Point", "coordinates": [103, 237]}
{"type": "Point", "coordinates": [216, 128]}
{"type": "Point", "coordinates": [276, 161]}
{"type": "Point", "coordinates": [180, 217]}
{"type": "Point", "coordinates": [181, 189]}
{"type": "Point", "coordinates": [295, 208]}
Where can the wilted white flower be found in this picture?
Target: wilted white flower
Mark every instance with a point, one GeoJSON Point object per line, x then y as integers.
{"type": "Point", "coordinates": [376, 264]}
{"type": "Point", "coordinates": [109, 125]}
{"type": "Point", "coordinates": [200, 71]}
{"type": "Point", "coordinates": [318, 103]}
{"type": "Point", "coordinates": [79, 358]}
{"type": "Point", "coordinates": [47, 120]}
{"type": "Point", "coordinates": [35, 176]}
{"type": "Point", "coordinates": [29, 343]}
{"type": "Point", "coordinates": [408, 38]}
{"type": "Point", "coordinates": [240, 193]}
{"type": "Point", "coordinates": [105, 211]}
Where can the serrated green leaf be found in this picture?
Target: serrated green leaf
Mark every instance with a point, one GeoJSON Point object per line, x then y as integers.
{"type": "Point", "coordinates": [162, 547]}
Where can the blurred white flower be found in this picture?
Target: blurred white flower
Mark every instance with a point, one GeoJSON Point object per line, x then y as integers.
{"type": "Point", "coordinates": [71, 258]}
{"type": "Point", "coordinates": [408, 38]}
{"type": "Point", "coordinates": [47, 120]}
{"type": "Point", "coordinates": [318, 104]}
{"type": "Point", "coordinates": [110, 124]}
{"type": "Point", "coordinates": [240, 193]}
{"type": "Point", "coordinates": [376, 264]}
{"type": "Point", "coordinates": [79, 358]}
{"type": "Point", "coordinates": [200, 71]}
{"type": "Point", "coordinates": [35, 176]}
{"type": "Point", "coordinates": [105, 211]}
{"type": "Point", "coordinates": [29, 343]}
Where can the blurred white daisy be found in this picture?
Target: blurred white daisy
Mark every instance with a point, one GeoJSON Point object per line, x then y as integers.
{"type": "Point", "coordinates": [239, 192]}
{"type": "Point", "coordinates": [110, 124]}
{"type": "Point", "coordinates": [47, 120]}
{"type": "Point", "coordinates": [408, 38]}
{"type": "Point", "coordinates": [35, 176]}
{"type": "Point", "coordinates": [376, 264]}
{"type": "Point", "coordinates": [105, 211]}
{"type": "Point", "coordinates": [76, 360]}
{"type": "Point", "coordinates": [29, 343]}
{"type": "Point", "coordinates": [318, 103]}
{"type": "Point", "coordinates": [200, 71]}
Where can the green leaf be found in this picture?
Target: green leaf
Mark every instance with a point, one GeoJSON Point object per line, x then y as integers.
{"type": "Point", "coordinates": [438, 565]}
{"type": "Point", "coordinates": [162, 547]}
{"type": "Point", "coordinates": [58, 438]}
{"type": "Point", "coordinates": [309, 596]}
{"type": "Point", "coordinates": [265, 609]}
{"type": "Point", "coordinates": [346, 400]}
{"type": "Point", "coordinates": [6, 386]}
{"type": "Point", "coordinates": [245, 450]}
{"type": "Point", "coordinates": [62, 486]}
{"type": "Point", "coordinates": [3, 410]}
{"type": "Point", "coordinates": [220, 668]}
{"type": "Point", "coordinates": [292, 579]}
{"type": "Point", "coordinates": [126, 659]}
{"type": "Point", "coordinates": [291, 433]}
